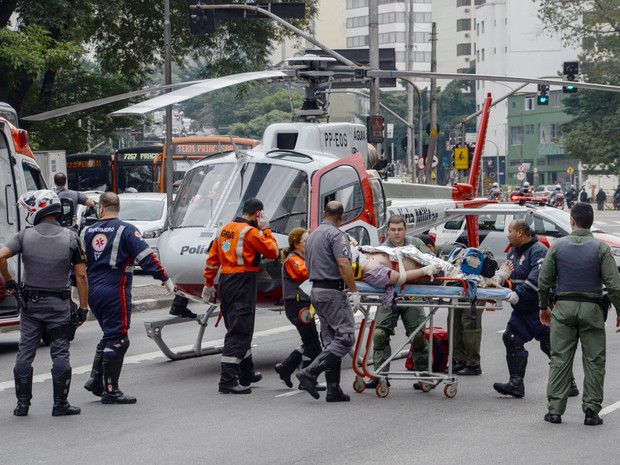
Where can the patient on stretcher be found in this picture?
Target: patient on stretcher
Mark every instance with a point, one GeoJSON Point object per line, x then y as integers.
{"type": "Point", "coordinates": [376, 269]}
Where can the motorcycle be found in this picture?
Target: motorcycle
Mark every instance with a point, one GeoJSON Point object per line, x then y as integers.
{"type": "Point", "coordinates": [557, 201]}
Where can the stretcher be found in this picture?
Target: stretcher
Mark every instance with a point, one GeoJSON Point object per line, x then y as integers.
{"type": "Point", "coordinates": [453, 293]}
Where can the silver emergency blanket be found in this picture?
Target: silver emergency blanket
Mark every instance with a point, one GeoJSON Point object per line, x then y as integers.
{"type": "Point", "coordinates": [410, 251]}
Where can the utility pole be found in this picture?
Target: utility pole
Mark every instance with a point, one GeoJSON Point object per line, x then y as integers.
{"type": "Point", "coordinates": [373, 58]}
{"type": "Point", "coordinates": [410, 130]}
{"type": "Point", "coordinates": [432, 142]}
{"type": "Point", "coordinates": [169, 172]}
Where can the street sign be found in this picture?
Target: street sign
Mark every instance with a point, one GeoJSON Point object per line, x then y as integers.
{"type": "Point", "coordinates": [535, 170]}
{"type": "Point", "coordinates": [461, 158]}
{"type": "Point", "coordinates": [520, 175]}
{"type": "Point", "coordinates": [421, 163]}
{"type": "Point", "coordinates": [521, 168]}
{"type": "Point", "coordinates": [570, 170]}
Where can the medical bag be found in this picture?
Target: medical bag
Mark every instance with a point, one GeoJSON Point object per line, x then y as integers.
{"type": "Point", "coordinates": [441, 349]}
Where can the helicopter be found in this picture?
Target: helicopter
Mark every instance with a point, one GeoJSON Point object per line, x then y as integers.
{"type": "Point", "coordinates": [296, 169]}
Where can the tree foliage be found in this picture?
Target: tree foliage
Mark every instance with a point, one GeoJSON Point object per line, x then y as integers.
{"type": "Point", "coordinates": [62, 52]}
{"type": "Point", "coordinates": [594, 25]}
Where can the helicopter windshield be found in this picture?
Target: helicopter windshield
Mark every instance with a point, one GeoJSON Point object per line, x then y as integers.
{"type": "Point", "coordinates": [224, 187]}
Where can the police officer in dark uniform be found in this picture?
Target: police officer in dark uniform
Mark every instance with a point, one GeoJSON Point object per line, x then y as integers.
{"type": "Point", "coordinates": [112, 247]}
{"type": "Point", "coordinates": [328, 255]}
{"type": "Point", "coordinates": [523, 265]}
{"type": "Point", "coordinates": [48, 252]}
{"type": "Point", "coordinates": [236, 252]}
{"type": "Point", "coordinates": [580, 265]}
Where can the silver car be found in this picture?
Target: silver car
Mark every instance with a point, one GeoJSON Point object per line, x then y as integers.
{"type": "Point", "coordinates": [147, 212]}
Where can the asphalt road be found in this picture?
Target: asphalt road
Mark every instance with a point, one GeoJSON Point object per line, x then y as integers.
{"type": "Point", "coordinates": [180, 418]}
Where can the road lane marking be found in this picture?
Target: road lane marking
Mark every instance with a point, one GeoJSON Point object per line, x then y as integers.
{"type": "Point", "coordinates": [610, 408]}
{"type": "Point", "coordinates": [134, 359]}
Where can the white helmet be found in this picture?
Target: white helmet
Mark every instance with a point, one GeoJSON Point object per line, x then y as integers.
{"type": "Point", "coordinates": [39, 204]}
{"type": "Point", "coordinates": [495, 184]}
{"type": "Point", "coordinates": [558, 187]}
{"type": "Point", "coordinates": [526, 184]}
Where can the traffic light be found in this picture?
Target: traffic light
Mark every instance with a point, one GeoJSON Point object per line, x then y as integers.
{"type": "Point", "coordinates": [201, 22]}
{"type": "Point", "coordinates": [570, 69]}
{"type": "Point", "coordinates": [543, 94]}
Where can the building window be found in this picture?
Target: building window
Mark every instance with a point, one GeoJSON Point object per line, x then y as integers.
{"type": "Point", "coordinates": [463, 24]}
{"type": "Point", "coordinates": [463, 70]}
{"type": "Point", "coordinates": [549, 133]}
{"type": "Point", "coordinates": [477, 29]}
{"type": "Point", "coordinates": [529, 129]}
{"type": "Point", "coordinates": [463, 49]}
{"type": "Point", "coordinates": [528, 103]}
{"type": "Point", "coordinates": [480, 2]}
{"type": "Point", "coordinates": [421, 37]}
{"type": "Point", "coordinates": [422, 17]}
{"type": "Point", "coordinates": [482, 54]}
{"type": "Point", "coordinates": [356, 4]}
{"type": "Point", "coordinates": [392, 38]}
{"type": "Point", "coordinates": [516, 135]}
{"type": "Point", "coordinates": [357, 21]}
{"type": "Point", "coordinates": [463, 3]}
{"type": "Point", "coordinates": [482, 27]}
{"type": "Point", "coordinates": [357, 41]}
{"type": "Point", "coordinates": [390, 18]}
{"type": "Point", "coordinates": [422, 57]}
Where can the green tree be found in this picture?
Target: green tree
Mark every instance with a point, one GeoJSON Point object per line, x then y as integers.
{"type": "Point", "coordinates": [113, 45]}
{"type": "Point", "coordinates": [592, 135]}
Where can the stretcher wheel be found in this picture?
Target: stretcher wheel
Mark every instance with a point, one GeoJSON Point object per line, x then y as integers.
{"type": "Point", "coordinates": [450, 391]}
{"type": "Point", "coordinates": [305, 315]}
{"type": "Point", "coordinates": [382, 389]}
{"type": "Point", "coordinates": [359, 385]}
{"type": "Point", "coordinates": [426, 387]}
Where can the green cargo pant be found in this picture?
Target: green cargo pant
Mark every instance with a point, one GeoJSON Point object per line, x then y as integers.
{"type": "Point", "coordinates": [571, 322]}
{"type": "Point", "coordinates": [467, 339]}
{"type": "Point", "coordinates": [412, 317]}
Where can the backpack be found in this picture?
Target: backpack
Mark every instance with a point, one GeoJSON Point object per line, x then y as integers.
{"type": "Point", "coordinates": [474, 261]}
{"type": "Point", "coordinates": [441, 349]}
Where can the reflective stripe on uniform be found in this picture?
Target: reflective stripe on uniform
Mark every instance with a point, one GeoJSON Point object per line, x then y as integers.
{"type": "Point", "coordinates": [240, 245]}
{"type": "Point", "coordinates": [115, 245]}
{"type": "Point", "coordinates": [233, 360]}
{"type": "Point", "coordinates": [143, 254]}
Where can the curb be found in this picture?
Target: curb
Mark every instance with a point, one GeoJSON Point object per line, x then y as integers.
{"type": "Point", "coordinates": [144, 305]}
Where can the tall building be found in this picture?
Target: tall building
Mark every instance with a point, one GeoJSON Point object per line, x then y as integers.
{"type": "Point", "coordinates": [512, 41]}
{"type": "Point", "coordinates": [393, 18]}
{"type": "Point", "coordinates": [456, 35]}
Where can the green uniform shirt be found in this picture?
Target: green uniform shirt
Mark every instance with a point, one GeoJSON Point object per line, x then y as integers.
{"type": "Point", "coordinates": [609, 271]}
{"type": "Point", "coordinates": [410, 240]}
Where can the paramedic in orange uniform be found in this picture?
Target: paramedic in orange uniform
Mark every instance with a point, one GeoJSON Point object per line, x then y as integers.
{"type": "Point", "coordinates": [295, 272]}
{"type": "Point", "coordinates": [236, 251]}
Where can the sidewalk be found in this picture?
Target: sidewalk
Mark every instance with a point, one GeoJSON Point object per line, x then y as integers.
{"type": "Point", "coordinates": [150, 297]}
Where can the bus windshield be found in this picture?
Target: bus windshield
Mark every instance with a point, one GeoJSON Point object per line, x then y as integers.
{"type": "Point", "coordinates": [283, 191]}
{"type": "Point", "coordinates": [89, 172]}
{"type": "Point", "coordinates": [135, 168]}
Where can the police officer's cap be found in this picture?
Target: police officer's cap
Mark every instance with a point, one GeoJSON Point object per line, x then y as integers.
{"type": "Point", "coordinates": [40, 204]}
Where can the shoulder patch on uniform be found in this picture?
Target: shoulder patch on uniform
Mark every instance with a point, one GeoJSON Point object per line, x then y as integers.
{"type": "Point", "coordinates": [137, 233]}
{"type": "Point", "coordinates": [226, 245]}
{"type": "Point", "coordinates": [343, 239]}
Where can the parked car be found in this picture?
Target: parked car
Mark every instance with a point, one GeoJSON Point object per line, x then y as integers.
{"type": "Point", "coordinates": [86, 216]}
{"type": "Point", "coordinates": [147, 212]}
{"type": "Point", "coordinates": [547, 222]}
{"type": "Point", "coordinates": [544, 190]}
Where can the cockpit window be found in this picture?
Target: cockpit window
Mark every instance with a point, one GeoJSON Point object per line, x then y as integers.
{"type": "Point", "coordinates": [212, 195]}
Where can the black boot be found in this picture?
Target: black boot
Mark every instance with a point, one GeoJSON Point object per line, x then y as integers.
{"type": "Point", "coordinates": [23, 392]}
{"type": "Point", "coordinates": [334, 392]}
{"type": "Point", "coordinates": [287, 367]}
{"type": "Point", "coordinates": [592, 418]}
{"type": "Point", "coordinates": [95, 382]}
{"type": "Point", "coordinates": [247, 375]}
{"type": "Point", "coordinates": [111, 374]}
{"type": "Point", "coordinates": [514, 387]}
{"type": "Point", "coordinates": [573, 391]}
{"type": "Point", "coordinates": [179, 308]}
{"type": "Point", "coordinates": [307, 377]}
{"type": "Point", "coordinates": [62, 384]}
{"type": "Point", "coordinates": [229, 380]}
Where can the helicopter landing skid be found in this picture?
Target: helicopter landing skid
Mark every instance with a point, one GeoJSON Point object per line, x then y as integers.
{"type": "Point", "coordinates": [154, 330]}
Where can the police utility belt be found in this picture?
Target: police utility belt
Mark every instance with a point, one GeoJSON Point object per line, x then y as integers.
{"type": "Point", "coordinates": [34, 294]}
{"type": "Point", "coordinates": [336, 284]}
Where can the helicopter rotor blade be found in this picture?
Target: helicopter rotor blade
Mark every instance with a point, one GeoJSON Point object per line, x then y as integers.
{"type": "Point", "coordinates": [196, 90]}
{"type": "Point", "coordinates": [104, 101]}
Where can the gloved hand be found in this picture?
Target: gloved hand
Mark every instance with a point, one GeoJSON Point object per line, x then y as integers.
{"type": "Point", "coordinates": [430, 270]}
{"type": "Point", "coordinates": [11, 286]}
{"type": "Point", "coordinates": [513, 297]}
{"type": "Point", "coordinates": [82, 313]}
{"type": "Point", "coordinates": [169, 285]}
{"type": "Point", "coordinates": [263, 222]}
{"type": "Point", "coordinates": [356, 300]}
{"type": "Point", "coordinates": [208, 294]}
{"type": "Point", "coordinates": [505, 270]}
